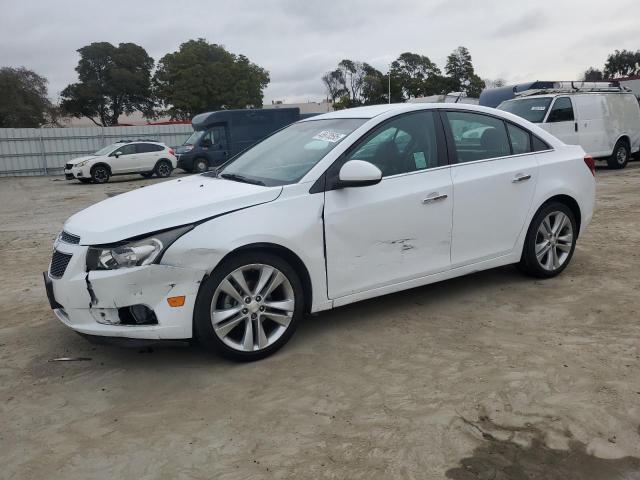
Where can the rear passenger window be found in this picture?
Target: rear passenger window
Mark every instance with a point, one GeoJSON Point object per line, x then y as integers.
{"type": "Point", "coordinates": [520, 139]}
{"type": "Point", "coordinates": [147, 147]}
{"type": "Point", "coordinates": [478, 137]}
{"type": "Point", "coordinates": [539, 145]}
{"type": "Point", "coordinates": [562, 111]}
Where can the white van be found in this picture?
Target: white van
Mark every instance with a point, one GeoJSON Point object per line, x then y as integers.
{"type": "Point", "coordinates": [606, 123]}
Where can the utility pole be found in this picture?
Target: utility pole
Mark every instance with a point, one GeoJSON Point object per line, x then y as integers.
{"type": "Point", "coordinates": [389, 76]}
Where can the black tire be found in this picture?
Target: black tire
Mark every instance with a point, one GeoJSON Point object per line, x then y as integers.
{"type": "Point", "coordinates": [529, 262]}
{"type": "Point", "coordinates": [85, 180]}
{"type": "Point", "coordinates": [620, 156]}
{"type": "Point", "coordinates": [100, 174]}
{"type": "Point", "coordinates": [200, 165]}
{"type": "Point", "coordinates": [203, 327]}
{"type": "Point", "coordinates": [147, 174]}
{"type": "Point", "coordinates": [163, 169]}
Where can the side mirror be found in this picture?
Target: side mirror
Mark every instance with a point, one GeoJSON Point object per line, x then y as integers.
{"type": "Point", "coordinates": [206, 143]}
{"type": "Point", "coordinates": [117, 154]}
{"type": "Point", "coordinates": [358, 173]}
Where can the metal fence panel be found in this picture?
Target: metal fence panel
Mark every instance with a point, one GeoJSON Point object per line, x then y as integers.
{"type": "Point", "coordinates": [42, 151]}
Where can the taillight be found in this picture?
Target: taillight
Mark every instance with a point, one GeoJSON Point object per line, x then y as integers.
{"type": "Point", "coordinates": [591, 164]}
{"type": "Point", "coordinates": [171, 151]}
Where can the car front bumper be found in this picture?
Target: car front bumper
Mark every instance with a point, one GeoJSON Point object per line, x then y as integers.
{"type": "Point", "coordinates": [98, 302]}
{"type": "Point", "coordinates": [76, 173]}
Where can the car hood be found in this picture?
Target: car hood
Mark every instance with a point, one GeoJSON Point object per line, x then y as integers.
{"type": "Point", "coordinates": [164, 205]}
{"type": "Point", "coordinates": [75, 161]}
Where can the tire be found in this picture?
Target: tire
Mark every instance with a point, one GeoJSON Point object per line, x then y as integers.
{"type": "Point", "coordinates": [163, 169]}
{"type": "Point", "coordinates": [200, 165]}
{"type": "Point", "coordinates": [147, 174]}
{"type": "Point", "coordinates": [545, 264]}
{"type": "Point", "coordinates": [242, 326]}
{"type": "Point", "coordinates": [620, 156]}
{"type": "Point", "coordinates": [100, 174]}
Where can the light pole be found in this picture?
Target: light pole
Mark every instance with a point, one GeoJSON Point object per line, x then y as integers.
{"type": "Point", "coordinates": [389, 78]}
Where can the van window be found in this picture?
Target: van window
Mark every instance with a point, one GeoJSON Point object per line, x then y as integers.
{"type": "Point", "coordinates": [404, 144]}
{"type": "Point", "coordinates": [520, 139]}
{"type": "Point", "coordinates": [478, 137]}
{"type": "Point", "coordinates": [532, 109]}
{"type": "Point", "coordinates": [562, 111]}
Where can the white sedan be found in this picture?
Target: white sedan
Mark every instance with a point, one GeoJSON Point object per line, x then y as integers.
{"type": "Point", "coordinates": [328, 211]}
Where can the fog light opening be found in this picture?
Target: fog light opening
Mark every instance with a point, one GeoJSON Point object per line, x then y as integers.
{"type": "Point", "coordinates": [137, 315]}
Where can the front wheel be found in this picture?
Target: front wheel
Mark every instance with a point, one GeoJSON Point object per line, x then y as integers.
{"type": "Point", "coordinates": [550, 241]}
{"type": "Point", "coordinates": [100, 174]}
{"type": "Point", "coordinates": [620, 156]}
{"type": "Point", "coordinates": [249, 307]}
{"type": "Point", "coordinates": [200, 165]}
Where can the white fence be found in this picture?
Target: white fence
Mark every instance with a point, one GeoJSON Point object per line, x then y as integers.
{"type": "Point", "coordinates": [44, 151]}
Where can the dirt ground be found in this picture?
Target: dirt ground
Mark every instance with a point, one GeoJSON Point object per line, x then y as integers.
{"type": "Point", "coordinates": [491, 376]}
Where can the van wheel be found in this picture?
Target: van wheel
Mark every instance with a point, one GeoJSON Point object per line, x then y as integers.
{"type": "Point", "coordinates": [200, 165]}
{"type": "Point", "coordinates": [249, 307]}
{"type": "Point", "coordinates": [163, 169]}
{"type": "Point", "coordinates": [100, 174]}
{"type": "Point", "coordinates": [620, 156]}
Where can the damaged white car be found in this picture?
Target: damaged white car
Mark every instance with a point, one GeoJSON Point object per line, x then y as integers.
{"type": "Point", "coordinates": [331, 210]}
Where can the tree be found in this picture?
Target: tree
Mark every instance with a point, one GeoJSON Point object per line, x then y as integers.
{"type": "Point", "coordinates": [623, 63]}
{"type": "Point", "coordinates": [201, 76]}
{"type": "Point", "coordinates": [460, 70]}
{"type": "Point", "coordinates": [24, 102]}
{"type": "Point", "coordinates": [334, 81]}
{"type": "Point", "coordinates": [374, 86]}
{"type": "Point", "coordinates": [112, 81]}
{"type": "Point", "coordinates": [592, 75]}
{"type": "Point", "coordinates": [418, 75]}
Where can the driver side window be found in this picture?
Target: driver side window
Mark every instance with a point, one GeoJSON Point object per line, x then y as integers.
{"type": "Point", "coordinates": [128, 149]}
{"type": "Point", "coordinates": [404, 144]}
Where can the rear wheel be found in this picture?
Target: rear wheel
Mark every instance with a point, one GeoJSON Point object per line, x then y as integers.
{"type": "Point", "coordinates": [620, 156]}
{"type": "Point", "coordinates": [249, 307]}
{"type": "Point", "coordinates": [100, 174]}
{"type": "Point", "coordinates": [200, 165]}
{"type": "Point", "coordinates": [550, 242]}
{"type": "Point", "coordinates": [163, 169]}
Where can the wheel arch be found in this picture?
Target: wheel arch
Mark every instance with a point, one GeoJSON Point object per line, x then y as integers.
{"type": "Point", "coordinates": [567, 200]}
{"type": "Point", "coordinates": [101, 164]}
{"type": "Point", "coordinates": [289, 256]}
{"type": "Point", "coordinates": [163, 160]}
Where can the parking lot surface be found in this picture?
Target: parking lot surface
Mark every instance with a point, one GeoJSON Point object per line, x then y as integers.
{"type": "Point", "coordinates": [494, 375]}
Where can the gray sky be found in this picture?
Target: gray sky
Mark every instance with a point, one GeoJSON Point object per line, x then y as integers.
{"type": "Point", "coordinates": [298, 40]}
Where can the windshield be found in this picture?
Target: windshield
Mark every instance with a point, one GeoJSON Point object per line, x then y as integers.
{"type": "Point", "coordinates": [106, 150]}
{"type": "Point", "coordinates": [532, 109]}
{"type": "Point", "coordinates": [193, 139]}
{"type": "Point", "coordinates": [286, 156]}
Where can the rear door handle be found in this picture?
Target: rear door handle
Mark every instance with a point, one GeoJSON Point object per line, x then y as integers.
{"type": "Point", "coordinates": [434, 197]}
{"type": "Point", "coordinates": [521, 178]}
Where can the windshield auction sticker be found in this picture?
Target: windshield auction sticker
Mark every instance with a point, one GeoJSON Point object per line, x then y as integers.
{"type": "Point", "coordinates": [329, 136]}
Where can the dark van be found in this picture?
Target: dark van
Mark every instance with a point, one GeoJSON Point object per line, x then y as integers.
{"type": "Point", "coordinates": [220, 135]}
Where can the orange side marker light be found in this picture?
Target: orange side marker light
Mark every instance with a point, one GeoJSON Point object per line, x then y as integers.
{"type": "Point", "coordinates": [176, 301]}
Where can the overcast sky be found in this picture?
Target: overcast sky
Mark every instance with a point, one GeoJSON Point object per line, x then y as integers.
{"type": "Point", "coordinates": [298, 40]}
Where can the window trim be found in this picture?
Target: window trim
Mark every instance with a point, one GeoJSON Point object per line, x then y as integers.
{"type": "Point", "coordinates": [328, 180]}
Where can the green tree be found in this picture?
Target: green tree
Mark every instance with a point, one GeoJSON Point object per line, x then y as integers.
{"type": "Point", "coordinates": [335, 84]}
{"type": "Point", "coordinates": [201, 76]}
{"type": "Point", "coordinates": [417, 75]}
{"type": "Point", "coordinates": [623, 63]}
{"type": "Point", "coordinates": [112, 81]}
{"type": "Point", "coordinates": [592, 75]}
{"type": "Point", "coordinates": [461, 73]}
{"type": "Point", "coordinates": [23, 102]}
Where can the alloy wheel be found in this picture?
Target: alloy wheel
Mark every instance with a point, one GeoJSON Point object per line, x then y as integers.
{"type": "Point", "coordinates": [252, 307]}
{"type": "Point", "coordinates": [554, 240]}
{"type": "Point", "coordinates": [621, 156]}
{"type": "Point", "coordinates": [164, 170]}
{"type": "Point", "coordinates": [100, 174]}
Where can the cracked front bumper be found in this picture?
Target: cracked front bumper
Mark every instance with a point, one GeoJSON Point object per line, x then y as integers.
{"type": "Point", "coordinates": [89, 303]}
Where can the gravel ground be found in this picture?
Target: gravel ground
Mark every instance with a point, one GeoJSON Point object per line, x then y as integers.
{"type": "Point", "coordinates": [494, 375]}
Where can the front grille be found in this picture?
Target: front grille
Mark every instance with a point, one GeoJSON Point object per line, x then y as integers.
{"type": "Point", "coordinates": [69, 238]}
{"type": "Point", "coordinates": [68, 166]}
{"type": "Point", "coordinates": [59, 264]}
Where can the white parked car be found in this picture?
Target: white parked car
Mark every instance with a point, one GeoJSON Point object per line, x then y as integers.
{"type": "Point", "coordinates": [606, 124]}
{"type": "Point", "coordinates": [331, 210]}
{"type": "Point", "coordinates": [124, 157]}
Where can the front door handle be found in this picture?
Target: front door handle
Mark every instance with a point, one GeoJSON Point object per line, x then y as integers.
{"type": "Point", "coordinates": [521, 178]}
{"type": "Point", "coordinates": [434, 197]}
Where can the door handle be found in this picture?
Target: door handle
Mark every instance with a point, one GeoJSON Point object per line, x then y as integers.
{"type": "Point", "coordinates": [520, 178]}
{"type": "Point", "coordinates": [434, 197]}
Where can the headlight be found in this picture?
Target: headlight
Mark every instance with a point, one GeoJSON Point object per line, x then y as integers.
{"type": "Point", "coordinates": [81, 164]}
{"type": "Point", "coordinates": [133, 253]}
{"type": "Point", "coordinates": [187, 148]}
